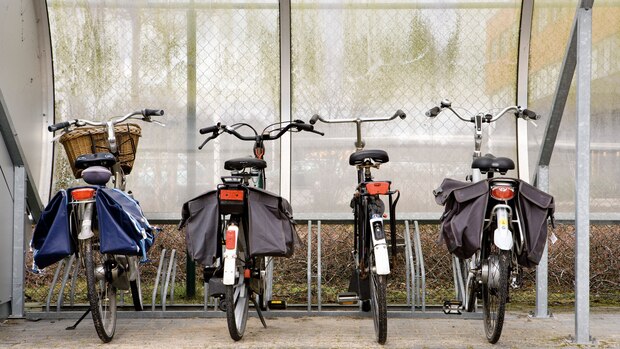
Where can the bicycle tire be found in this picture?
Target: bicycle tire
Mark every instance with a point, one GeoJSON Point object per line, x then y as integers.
{"type": "Point", "coordinates": [136, 287]}
{"type": "Point", "coordinates": [494, 298]}
{"type": "Point", "coordinates": [101, 294]}
{"type": "Point", "coordinates": [237, 300]}
{"type": "Point", "coordinates": [378, 302]}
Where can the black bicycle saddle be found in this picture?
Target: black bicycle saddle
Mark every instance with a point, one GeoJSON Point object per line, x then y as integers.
{"type": "Point", "coordinates": [376, 155]}
{"type": "Point", "coordinates": [239, 164]}
{"type": "Point", "coordinates": [490, 163]}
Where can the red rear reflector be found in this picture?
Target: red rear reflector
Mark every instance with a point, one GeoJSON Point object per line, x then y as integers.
{"type": "Point", "coordinates": [246, 273]}
{"type": "Point", "coordinates": [381, 188]}
{"type": "Point", "coordinates": [231, 194]}
{"type": "Point", "coordinates": [231, 239]}
{"type": "Point", "coordinates": [502, 192]}
{"type": "Point", "coordinates": [83, 193]}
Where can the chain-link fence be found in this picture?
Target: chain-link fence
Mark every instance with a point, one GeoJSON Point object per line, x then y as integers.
{"type": "Point", "coordinates": [290, 274]}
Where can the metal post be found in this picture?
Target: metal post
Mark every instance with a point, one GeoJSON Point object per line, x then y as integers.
{"type": "Point", "coordinates": [420, 263]}
{"type": "Point", "coordinates": [412, 275]}
{"type": "Point", "coordinates": [162, 258]}
{"type": "Point", "coordinates": [408, 274]}
{"type": "Point", "coordinates": [582, 175]}
{"type": "Point", "coordinates": [318, 264]}
{"type": "Point", "coordinates": [542, 295]}
{"type": "Point", "coordinates": [190, 265]}
{"type": "Point", "coordinates": [164, 291]}
{"type": "Point", "coordinates": [527, 11]}
{"type": "Point", "coordinates": [285, 97]}
{"type": "Point", "coordinates": [309, 260]}
{"type": "Point", "coordinates": [19, 245]}
{"type": "Point", "coordinates": [63, 284]}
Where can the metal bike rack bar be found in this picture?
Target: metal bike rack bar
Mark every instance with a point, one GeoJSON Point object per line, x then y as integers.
{"type": "Point", "coordinates": [421, 285]}
{"type": "Point", "coordinates": [410, 273]}
{"type": "Point", "coordinates": [65, 277]}
{"type": "Point", "coordinates": [157, 278]}
{"type": "Point", "coordinates": [164, 291]}
{"type": "Point", "coordinates": [53, 285]}
{"type": "Point", "coordinates": [76, 270]}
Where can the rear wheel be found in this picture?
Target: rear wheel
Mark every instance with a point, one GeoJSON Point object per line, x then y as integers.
{"type": "Point", "coordinates": [237, 302]}
{"type": "Point", "coordinates": [136, 292]}
{"type": "Point", "coordinates": [495, 292]}
{"type": "Point", "coordinates": [101, 292]}
{"type": "Point", "coordinates": [378, 302]}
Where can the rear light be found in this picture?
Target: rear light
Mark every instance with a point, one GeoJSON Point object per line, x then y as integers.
{"type": "Point", "coordinates": [502, 192]}
{"type": "Point", "coordinates": [247, 273]}
{"type": "Point", "coordinates": [231, 239]}
{"type": "Point", "coordinates": [231, 194]}
{"type": "Point", "coordinates": [83, 193]}
{"type": "Point", "coordinates": [381, 188]}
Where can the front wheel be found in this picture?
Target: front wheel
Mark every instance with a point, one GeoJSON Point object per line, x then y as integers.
{"type": "Point", "coordinates": [378, 302]}
{"type": "Point", "coordinates": [101, 292]}
{"type": "Point", "coordinates": [495, 292]}
{"type": "Point", "coordinates": [237, 302]}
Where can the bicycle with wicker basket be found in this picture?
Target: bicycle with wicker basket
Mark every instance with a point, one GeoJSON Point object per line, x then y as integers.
{"type": "Point", "coordinates": [104, 226]}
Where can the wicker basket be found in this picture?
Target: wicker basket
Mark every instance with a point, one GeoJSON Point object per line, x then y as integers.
{"type": "Point", "coordinates": [89, 140]}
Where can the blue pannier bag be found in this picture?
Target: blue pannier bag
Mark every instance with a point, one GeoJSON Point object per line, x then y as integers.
{"type": "Point", "coordinates": [51, 240]}
{"type": "Point", "coordinates": [123, 229]}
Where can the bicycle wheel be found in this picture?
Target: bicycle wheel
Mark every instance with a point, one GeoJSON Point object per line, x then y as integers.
{"type": "Point", "coordinates": [378, 302]}
{"type": "Point", "coordinates": [495, 292]}
{"type": "Point", "coordinates": [101, 293]}
{"type": "Point", "coordinates": [237, 301]}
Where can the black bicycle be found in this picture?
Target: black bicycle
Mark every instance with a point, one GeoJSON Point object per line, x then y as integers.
{"type": "Point", "coordinates": [246, 226]}
{"type": "Point", "coordinates": [370, 251]}
{"type": "Point", "coordinates": [491, 226]}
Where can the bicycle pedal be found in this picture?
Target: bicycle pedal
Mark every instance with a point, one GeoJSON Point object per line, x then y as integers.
{"type": "Point", "coordinates": [348, 298]}
{"type": "Point", "coordinates": [452, 307]}
{"type": "Point", "coordinates": [276, 304]}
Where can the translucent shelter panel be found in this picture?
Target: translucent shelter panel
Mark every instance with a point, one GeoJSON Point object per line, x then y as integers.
{"type": "Point", "coordinates": [370, 58]}
{"type": "Point", "coordinates": [201, 61]}
{"type": "Point", "coordinates": [551, 29]}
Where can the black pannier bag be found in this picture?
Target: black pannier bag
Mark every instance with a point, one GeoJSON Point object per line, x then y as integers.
{"type": "Point", "coordinates": [535, 206]}
{"type": "Point", "coordinates": [461, 223]}
{"type": "Point", "coordinates": [269, 219]}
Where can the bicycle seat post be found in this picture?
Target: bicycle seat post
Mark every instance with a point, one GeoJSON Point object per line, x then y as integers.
{"type": "Point", "coordinates": [359, 143]}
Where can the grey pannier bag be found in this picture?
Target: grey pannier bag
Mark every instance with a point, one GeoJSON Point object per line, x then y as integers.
{"type": "Point", "coordinates": [461, 223]}
{"type": "Point", "coordinates": [267, 217]}
{"type": "Point", "coordinates": [535, 206]}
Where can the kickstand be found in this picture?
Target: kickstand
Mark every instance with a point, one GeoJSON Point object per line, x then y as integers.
{"type": "Point", "coordinates": [79, 320]}
{"type": "Point", "coordinates": [259, 312]}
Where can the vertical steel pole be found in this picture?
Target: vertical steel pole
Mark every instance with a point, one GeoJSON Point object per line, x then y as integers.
{"type": "Point", "coordinates": [309, 270]}
{"type": "Point", "coordinates": [582, 176]}
{"type": "Point", "coordinates": [285, 97]}
{"type": "Point", "coordinates": [542, 294]}
{"type": "Point", "coordinates": [19, 245]}
{"type": "Point", "coordinates": [190, 265]}
{"type": "Point", "coordinates": [318, 264]}
{"type": "Point", "coordinates": [527, 11]}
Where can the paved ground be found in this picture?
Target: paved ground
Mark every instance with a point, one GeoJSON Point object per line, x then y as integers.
{"type": "Point", "coordinates": [520, 331]}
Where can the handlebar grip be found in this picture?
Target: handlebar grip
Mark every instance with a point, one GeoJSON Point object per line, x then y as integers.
{"type": "Point", "coordinates": [58, 126]}
{"type": "Point", "coordinates": [433, 112]}
{"type": "Point", "coordinates": [401, 114]}
{"type": "Point", "coordinates": [304, 127]}
{"type": "Point", "coordinates": [530, 114]}
{"type": "Point", "coordinates": [209, 129]}
{"type": "Point", "coordinates": [314, 119]}
{"type": "Point", "coordinates": [152, 112]}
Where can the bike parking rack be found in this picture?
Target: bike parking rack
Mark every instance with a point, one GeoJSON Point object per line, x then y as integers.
{"type": "Point", "coordinates": [165, 278]}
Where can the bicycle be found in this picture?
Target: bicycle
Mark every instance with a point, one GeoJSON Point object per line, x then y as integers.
{"type": "Point", "coordinates": [107, 251]}
{"type": "Point", "coordinates": [235, 230]}
{"type": "Point", "coordinates": [370, 252]}
{"type": "Point", "coordinates": [491, 226]}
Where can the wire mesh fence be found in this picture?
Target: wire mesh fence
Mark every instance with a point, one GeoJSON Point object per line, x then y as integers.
{"type": "Point", "coordinates": [291, 282]}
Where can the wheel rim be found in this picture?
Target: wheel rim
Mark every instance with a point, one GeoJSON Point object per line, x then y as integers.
{"type": "Point", "coordinates": [494, 293]}
{"type": "Point", "coordinates": [241, 303]}
{"type": "Point", "coordinates": [107, 305]}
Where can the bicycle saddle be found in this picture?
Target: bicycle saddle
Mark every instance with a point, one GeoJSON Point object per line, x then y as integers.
{"type": "Point", "coordinates": [376, 155]}
{"type": "Point", "coordinates": [241, 163]}
{"type": "Point", "coordinates": [96, 175]}
{"type": "Point", "coordinates": [98, 159]}
{"type": "Point", "coordinates": [490, 163]}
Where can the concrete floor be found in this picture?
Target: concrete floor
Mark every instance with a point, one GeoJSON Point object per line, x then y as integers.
{"type": "Point", "coordinates": [520, 331]}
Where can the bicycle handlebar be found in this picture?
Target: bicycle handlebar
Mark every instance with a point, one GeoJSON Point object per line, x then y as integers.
{"type": "Point", "coordinates": [146, 116]}
{"type": "Point", "coordinates": [526, 114]}
{"type": "Point", "coordinates": [399, 113]}
{"type": "Point", "coordinates": [218, 129]}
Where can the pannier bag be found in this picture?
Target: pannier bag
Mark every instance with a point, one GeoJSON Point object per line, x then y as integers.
{"type": "Point", "coordinates": [268, 217]}
{"type": "Point", "coordinates": [122, 227]}
{"type": "Point", "coordinates": [465, 209]}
